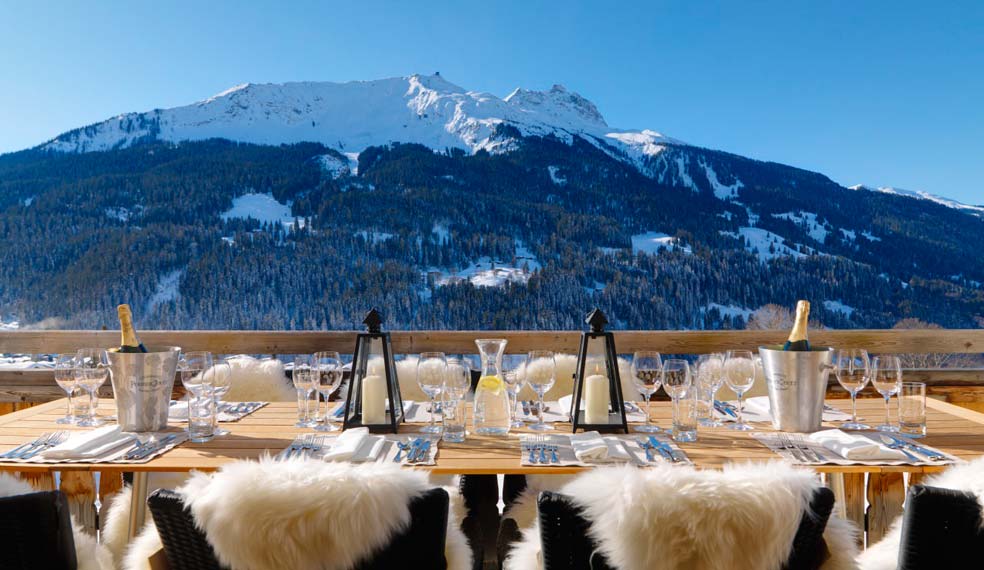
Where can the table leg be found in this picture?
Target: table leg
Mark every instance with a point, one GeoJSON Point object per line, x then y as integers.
{"type": "Point", "coordinates": [138, 503]}
{"type": "Point", "coordinates": [886, 492]}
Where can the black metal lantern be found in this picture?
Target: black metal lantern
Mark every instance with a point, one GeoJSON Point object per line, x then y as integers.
{"type": "Point", "coordinates": [597, 382]}
{"type": "Point", "coordinates": [374, 399]}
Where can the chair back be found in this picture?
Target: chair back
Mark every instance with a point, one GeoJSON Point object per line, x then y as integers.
{"type": "Point", "coordinates": [941, 528]}
{"type": "Point", "coordinates": [566, 544]}
{"type": "Point", "coordinates": [36, 532]}
{"type": "Point", "coordinates": [420, 545]}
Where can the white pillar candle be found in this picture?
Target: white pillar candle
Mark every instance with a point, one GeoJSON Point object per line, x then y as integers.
{"type": "Point", "coordinates": [373, 400]}
{"type": "Point", "coordinates": [596, 399]}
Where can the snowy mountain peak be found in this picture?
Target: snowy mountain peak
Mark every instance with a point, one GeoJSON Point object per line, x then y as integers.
{"type": "Point", "coordinates": [559, 103]}
{"type": "Point", "coordinates": [922, 195]}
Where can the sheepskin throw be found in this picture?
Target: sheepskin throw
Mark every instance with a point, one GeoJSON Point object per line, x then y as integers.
{"type": "Point", "coordinates": [267, 515]}
{"type": "Point", "coordinates": [255, 380]}
{"type": "Point", "coordinates": [89, 553]}
{"type": "Point", "coordinates": [966, 477]}
{"type": "Point", "coordinates": [672, 517]}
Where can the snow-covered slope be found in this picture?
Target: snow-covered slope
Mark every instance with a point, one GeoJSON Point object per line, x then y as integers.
{"type": "Point", "coordinates": [921, 195]}
{"type": "Point", "coordinates": [352, 116]}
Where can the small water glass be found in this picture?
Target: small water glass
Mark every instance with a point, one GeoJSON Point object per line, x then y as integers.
{"type": "Point", "coordinates": [541, 374]}
{"type": "Point", "coordinates": [708, 378]}
{"type": "Point", "coordinates": [647, 368]}
{"type": "Point", "coordinates": [91, 372]}
{"type": "Point", "coordinates": [886, 377]}
{"type": "Point", "coordinates": [303, 379]}
{"type": "Point", "coordinates": [912, 409]}
{"type": "Point", "coordinates": [685, 416]}
{"type": "Point", "coordinates": [65, 378]}
{"type": "Point", "coordinates": [453, 416]}
{"type": "Point", "coordinates": [195, 369]}
{"type": "Point", "coordinates": [221, 373]}
{"type": "Point", "coordinates": [327, 378]}
{"type": "Point", "coordinates": [432, 370]}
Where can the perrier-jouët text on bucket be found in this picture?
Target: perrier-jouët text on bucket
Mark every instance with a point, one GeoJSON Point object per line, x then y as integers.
{"type": "Point", "coordinates": [130, 342]}
{"type": "Point", "coordinates": [798, 340]}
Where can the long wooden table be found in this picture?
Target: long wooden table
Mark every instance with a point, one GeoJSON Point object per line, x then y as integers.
{"type": "Point", "coordinates": [955, 430]}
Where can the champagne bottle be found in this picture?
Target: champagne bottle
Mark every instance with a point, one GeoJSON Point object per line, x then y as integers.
{"type": "Point", "coordinates": [798, 340]}
{"type": "Point", "coordinates": [130, 342]}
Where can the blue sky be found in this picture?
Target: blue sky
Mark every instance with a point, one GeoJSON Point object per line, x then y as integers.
{"type": "Point", "coordinates": [884, 93]}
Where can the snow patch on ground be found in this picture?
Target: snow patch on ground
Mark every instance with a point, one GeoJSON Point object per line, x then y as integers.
{"type": "Point", "coordinates": [374, 237]}
{"type": "Point", "coordinates": [809, 219]}
{"type": "Point", "coordinates": [9, 325]}
{"type": "Point", "coordinates": [759, 242]}
{"type": "Point", "coordinates": [730, 311]}
{"type": "Point", "coordinates": [921, 195]}
{"type": "Point", "coordinates": [596, 287]}
{"type": "Point", "coordinates": [167, 290]}
{"type": "Point", "coordinates": [870, 236]}
{"type": "Point", "coordinates": [840, 307]}
{"type": "Point", "coordinates": [850, 235]}
{"type": "Point", "coordinates": [28, 201]}
{"type": "Point", "coordinates": [229, 240]}
{"type": "Point", "coordinates": [123, 214]}
{"type": "Point", "coordinates": [651, 242]}
{"type": "Point", "coordinates": [261, 207]}
{"type": "Point", "coordinates": [722, 191]}
{"type": "Point", "coordinates": [685, 178]}
{"type": "Point", "coordinates": [334, 166]}
{"type": "Point", "coordinates": [440, 233]}
{"type": "Point", "coordinates": [488, 272]}
{"type": "Point", "coordinates": [555, 177]}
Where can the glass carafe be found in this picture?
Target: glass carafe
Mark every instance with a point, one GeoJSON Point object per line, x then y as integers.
{"type": "Point", "coordinates": [491, 410]}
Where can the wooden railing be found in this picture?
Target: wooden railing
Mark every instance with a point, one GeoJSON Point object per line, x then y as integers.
{"type": "Point", "coordinates": [38, 385]}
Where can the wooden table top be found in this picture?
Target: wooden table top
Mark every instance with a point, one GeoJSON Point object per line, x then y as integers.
{"type": "Point", "coordinates": [956, 430]}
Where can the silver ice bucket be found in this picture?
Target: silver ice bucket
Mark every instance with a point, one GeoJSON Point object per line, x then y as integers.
{"type": "Point", "coordinates": [142, 384]}
{"type": "Point", "coordinates": [797, 382]}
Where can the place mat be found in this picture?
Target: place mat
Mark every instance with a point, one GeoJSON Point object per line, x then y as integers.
{"type": "Point", "coordinates": [419, 409]}
{"type": "Point", "coordinates": [228, 411]}
{"type": "Point", "coordinates": [116, 450]}
{"type": "Point", "coordinates": [629, 446]}
{"type": "Point", "coordinates": [368, 448]}
{"type": "Point", "coordinates": [559, 411]}
{"type": "Point", "coordinates": [810, 451]}
{"type": "Point", "coordinates": [757, 409]}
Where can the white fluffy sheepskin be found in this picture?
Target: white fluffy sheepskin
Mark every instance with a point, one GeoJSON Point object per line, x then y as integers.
{"type": "Point", "coordinates": [256, 380]}
{"type": "Point", "coordinates": [89, 553]}
{"type": "Point", "coordinates": [669, 517]}
{"type": "Point", "coordinates": [271, 515]}
{"type": "Point", "coordinates": [965, 477]}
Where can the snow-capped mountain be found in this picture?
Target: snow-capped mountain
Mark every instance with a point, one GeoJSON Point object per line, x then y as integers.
{"type": "Point", "coordinates": [349, 117]}
{"type": "Point", "coordinates": [922, 195]}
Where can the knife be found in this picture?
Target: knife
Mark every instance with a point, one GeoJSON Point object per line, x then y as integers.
{"type": "Point", "coordinates": [661, 448]}
{"type": "Point", "coordinates": [932, 455]}
{"type": "Point", "coordinates": [725, 409]}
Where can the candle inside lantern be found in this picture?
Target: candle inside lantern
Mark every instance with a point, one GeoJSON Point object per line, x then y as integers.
{"type": "Point", "coordinates": [373, 399]}
{"type": "Point", "coordinates": [596, 398]}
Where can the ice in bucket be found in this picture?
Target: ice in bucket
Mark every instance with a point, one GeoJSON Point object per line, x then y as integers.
{"type": "Point", "coordinates": [142, 384]}
{"type": "Point", "coordinates": [797, 383]}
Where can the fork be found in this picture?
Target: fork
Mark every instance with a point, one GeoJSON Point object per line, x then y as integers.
{"type": "Point", "coordinates": [55, 439]}
{"type": "Point", "coordinates": [289, 451]}
{"type": "Point", "coordinates": [787, 444]}
{"type": "Point", "coordinates": [650, 449]}
{"type": "Point", "coordinates": [13, 453]}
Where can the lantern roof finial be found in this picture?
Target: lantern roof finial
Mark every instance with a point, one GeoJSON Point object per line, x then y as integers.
{"type": "Point", "coordinates": [597, 320]}
{"type": "Point", "coordinates": [373, 321]}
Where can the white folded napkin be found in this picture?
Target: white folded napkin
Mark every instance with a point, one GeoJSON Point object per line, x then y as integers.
{"type": "Point", "coordinates": [369, 450]}
{"type": "Point", "coordinates": [855, 447]}
{"type": "Point", "coordinates": [567, 401]}
{"type": "Point", "coordinates": [90, 444]}
{"type": "Point", "coordinates": [347, 444]}
{"type": "Point", "coordinates": [590, 447]}
{"type": "Point", "coordinates": [758, 405]}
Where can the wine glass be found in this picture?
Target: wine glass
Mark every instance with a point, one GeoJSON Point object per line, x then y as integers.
{"type": "Point", "coordinates": [886, 377]}
{"type": "Point", "coordinates": [851, 366]}
{"type": "Point", "coordinates": [709, 378]}
{"type": "Point", "coordinates": [327, 378]}
{"type": "Point", "coordinates": [515, 380]}
{"type": "Point", "coordinates": [739, 373]}
{"type": "Point", "coordinates": [647, 366]}
{"type": "Point", "coordinates": [541, 373]}
{"type": "Point", "coordinates": [65, 378]}
{"type": "Point", "coordinates": [432, 370]}
{"type": "Point", "coordinates": [221, 377]}
{"type": "Point", "coordinates": [91, 372]}
{"type": "Point", "coordinates": [303, 377]}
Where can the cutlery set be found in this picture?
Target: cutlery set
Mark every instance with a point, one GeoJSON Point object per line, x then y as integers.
{"type": "Point", "coordinates": [417, 451]}
{"type": "Point", "coordinates": [244, 408]}
{"type": "Point", "coordinates": [725, 408]}
{"type": "Point", "coordinates": [303, 446]}
{"type": "Point", "coordinates": [800, 451]}
{"type": "Point", "coordinates": [530, 407]}
{"type": "Point", "coordinates": [894, 442]}
{"type": "Point", "coordinates": [538, 450]}
{"type": "Point", "coordinates": [143, 450]}
{"type": "Point", "coordinates": [652, 446]}
{"type": "Point", "coordinates": [32, 448]}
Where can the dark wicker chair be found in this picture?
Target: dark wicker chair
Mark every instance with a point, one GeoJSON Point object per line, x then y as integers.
{"type": "Point", "coordinates": [565, 542]}
{"type": "Point", "coordinates": [421, 545]}
{"type": "Point", "coordinates": [941, 528]}
{"type": "Point", "coordinates": [36, 532]}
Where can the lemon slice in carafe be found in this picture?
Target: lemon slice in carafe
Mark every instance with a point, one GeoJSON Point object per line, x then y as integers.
{"type": "Point", "coordinates": [490, 384]}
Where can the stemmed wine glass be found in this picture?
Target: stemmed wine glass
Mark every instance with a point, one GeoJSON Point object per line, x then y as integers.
{"type": "Point", "coordinates": [327, 378]}
{"type": "Point", "coordinates": [886, 377]}
{"type": "Point", "coordinates": [91, 372]}
{"type": "Point", "coordinates": [851, 366]}
{"type": "Point", "coordinates": [432, 370]}
{"type": "Point", "coordinates": [303, 377]}
{"type": "Point", "coordinates": [647, 366]}
{"type": "Point", "coordinates": [65, 378]}
{"type": "Point", "coordinates": [709, 378]}
{"type": "Point", "coordinates": [541, 373]}
{"type": "Point", "coordinates": [676, 380]}
{"type": "Point", "coordinates": [739, 373]}
{"type": "Point", "coordinates": [515, 379]}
